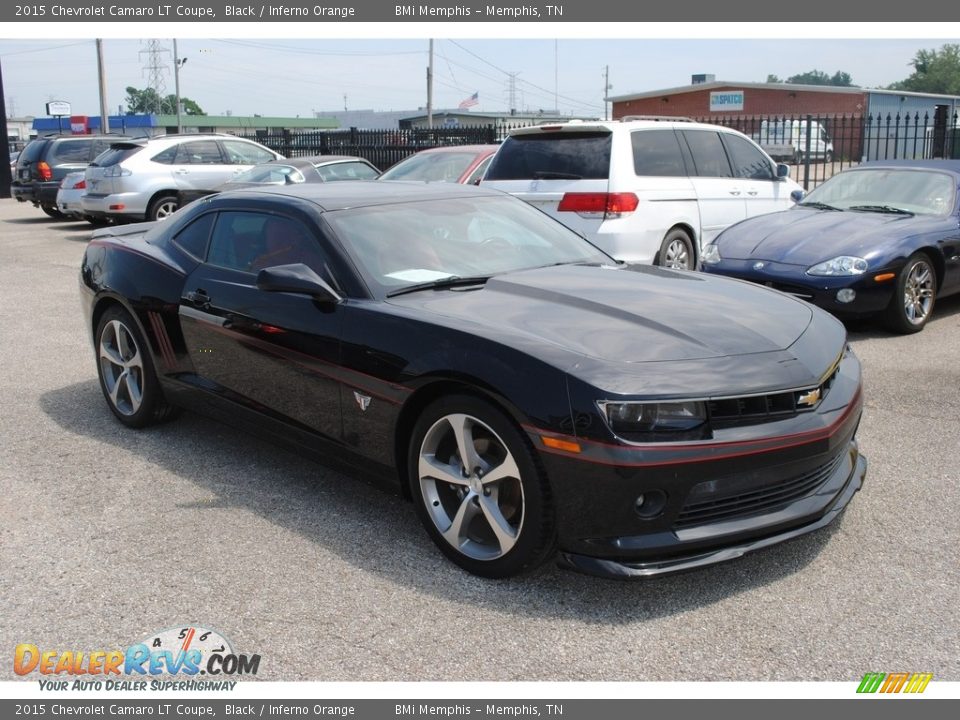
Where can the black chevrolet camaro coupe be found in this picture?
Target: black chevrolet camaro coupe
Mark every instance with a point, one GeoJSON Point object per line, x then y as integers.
{"type": "Point", "coordinates": [528, 393]}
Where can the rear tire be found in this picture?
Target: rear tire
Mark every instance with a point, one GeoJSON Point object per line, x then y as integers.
{"type": "Point", "coordinates": [162, 207]}
{"type": "Point", "coordinates": [676, 251]}
{"type": "Point", "coordinates": [491, 514]}
{"type": "Point", "coordinates": [126, 372]}
{"type": "Point", "coordinates": [52, 212]}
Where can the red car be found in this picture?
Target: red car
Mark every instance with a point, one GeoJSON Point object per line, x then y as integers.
{"type": "Point", "coordinates": [464, 164]}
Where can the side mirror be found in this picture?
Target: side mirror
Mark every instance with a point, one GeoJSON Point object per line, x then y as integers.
{"type": "Point", "coordinates": [796, 195]}
{"type": "Point", "coordinates": [296, 278]}
{"type": "Point", "coordinates": [783, 171]}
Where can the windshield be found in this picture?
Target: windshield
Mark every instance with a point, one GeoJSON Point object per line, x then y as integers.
{"type": "Point", "coordinates": [400, 245]}
{"type": "Point", "coordinates": [922, 192]}
{"type": "Point", "coordinates": [432, 167]}
{"type": "Point", "coordinates": [270, 175]}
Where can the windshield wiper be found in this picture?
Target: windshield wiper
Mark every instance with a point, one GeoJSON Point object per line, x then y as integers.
{"type": "Point", "coordinates": [441, 284]}
{"type": "Point", "coordinates": [818, 205]}
{"type": "Point", "coordinates": [549, 175]}
{"type": "Point", "coordinates": [882, 209]}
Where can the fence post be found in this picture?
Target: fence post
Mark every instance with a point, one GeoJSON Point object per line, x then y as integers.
{"type": "Point", "coordinates": [806, 155]}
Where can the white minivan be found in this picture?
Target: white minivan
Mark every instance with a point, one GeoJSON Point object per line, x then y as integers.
{"type": "Point", "coordinates": [646, 191]}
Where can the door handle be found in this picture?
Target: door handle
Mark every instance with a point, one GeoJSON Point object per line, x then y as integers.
{"type": "Point", "coordinates": [734, 192]}
{"type": "Point", "coordinates": [751, 192]}
{"type": "Point", "coordinates": [198, 297]}
{"type": "Point", "coordinates": [182, 171]}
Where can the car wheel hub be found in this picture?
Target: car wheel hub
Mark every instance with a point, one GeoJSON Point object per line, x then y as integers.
{"type": "Point", "coordinates": [918, 293]}
{"type": "Point", "coordinates": [121, 366]}
{"type": "Point", "coordinates": [479, 513]}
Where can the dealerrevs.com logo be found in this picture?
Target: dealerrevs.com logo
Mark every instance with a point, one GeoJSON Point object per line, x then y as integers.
{"type": "Point", "coordinates": [186, 651]}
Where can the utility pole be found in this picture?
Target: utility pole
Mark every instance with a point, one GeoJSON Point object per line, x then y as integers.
{"type": "Point", "coordinates": [177, 62]}
{"type": "Point", "coordinates": [101, 74]}
{"type": "Point", "coordinates": [430, 88]}
{"type": "Point", "coordinates": [5, 174]}
{"type": "Point", "coordinates": [556, 82]}
{"type": "Point", "coordinates": [606, 89]}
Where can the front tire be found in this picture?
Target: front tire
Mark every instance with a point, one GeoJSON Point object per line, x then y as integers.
{"type": "Point", "coordinates": [676, 251]}
{"type": "Point", "coordinates": [478, 488]}
{"type": "Point", "coordinates": [914, 297]}
{"type": "Point", "coordinates": [162, 207]}
{"type": "Point", "coordinates": [125, 369]}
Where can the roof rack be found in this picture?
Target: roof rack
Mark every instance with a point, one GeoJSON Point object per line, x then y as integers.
{"type": "Point", "coordinates": [656, 118]}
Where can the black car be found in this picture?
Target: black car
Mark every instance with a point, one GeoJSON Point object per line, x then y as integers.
{"type": "Point", "coordinates": [524, 389]}
{"type": "Point", "coordinates": [292, 171]}
{"type": "Point", "coordinates": [879, 239]}
{"type": "Point", "coordinates": [44, 162]}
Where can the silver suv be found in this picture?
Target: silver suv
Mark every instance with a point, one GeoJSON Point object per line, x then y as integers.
{"type": "Point", "coordinates": [140, 179]}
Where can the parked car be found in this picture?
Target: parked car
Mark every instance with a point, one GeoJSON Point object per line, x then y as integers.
{"type": "Point", "coordinates": [646, 191]}
{"type": "Point", "coordinates": [315, 168]}
{"type": "Point", "coordinates": [878, 239]}
{"type": "Point", "coordinates": [527, 392]}
{"type": "Point", "coordinates": [44, 162]}
{"type": "Point", "coordinates": [463, 164]}
{"type": "Point", "coordinates": [785, 139]}
{"type": "Point", "coordinates": [141, 179]}
{"type": "Point", "coordinates": [68, 196]}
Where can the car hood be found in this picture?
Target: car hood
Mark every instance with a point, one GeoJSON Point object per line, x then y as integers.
{"type": "Point", "coordinates": [805, 236]}
{"type": "Point", "coordinates": [638, 314]}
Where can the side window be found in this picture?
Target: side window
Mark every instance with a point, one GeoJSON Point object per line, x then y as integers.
{"type": "Point", "coordinates": [251, 241]}
{"type": "Point", "coordinates": [167, 157]}
{"type": "Point", "coordinates": [72, 151]}
{"type": "Point", "coordinates": [198, 152]}
{"type": "Point", "coordinates": [748, 160]}
{"type": "Point", "coordinates": [709, 157]}
{"type": "Point", "coordinates": [346, 171]}
{"type": "Point", "coordinates": [657, 153]}
{"type": "Point", "coordinates": [478, 171]}
{"type": "Point", "coordinates": [241, 153]}
{"type": "Point", "coordinates": [193, 238]}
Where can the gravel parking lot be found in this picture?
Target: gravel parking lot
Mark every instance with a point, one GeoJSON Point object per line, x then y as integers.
{"type": "Point", "coordinates": [109, 535]}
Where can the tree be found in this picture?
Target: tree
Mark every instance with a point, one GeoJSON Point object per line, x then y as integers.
{"type": "Point", "coordinates": [146, 101]}
{"type": "Point", "coordinates": [934, 71]}
{"type": "Point", "coordinates": [818, 77]}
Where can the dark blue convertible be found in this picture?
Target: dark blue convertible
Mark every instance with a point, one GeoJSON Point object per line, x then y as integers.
{"type": "Point", "coordinates": [879, 239]}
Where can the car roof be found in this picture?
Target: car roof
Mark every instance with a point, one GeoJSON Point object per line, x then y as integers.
{"type": "Point", "coordinates": [303, 161]}
{"type": "Point", "coordinates": [618, 125]}
{"type": "Point", "coordinates": [364, 193]}
{"type": "Point", "coordinates": [478, 149]}
{"type": "Point", "coordinates": [951, 166]}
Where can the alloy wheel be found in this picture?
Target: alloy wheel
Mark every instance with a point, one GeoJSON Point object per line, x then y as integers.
{"type": "Point", "coordinates": [677, 256]}
{"type": "Point", "coordinates": [121, 366]}
{"type": "Point", "coordinates": [471, 487]}
{"type": "Point", "coordinates": [918, 293]}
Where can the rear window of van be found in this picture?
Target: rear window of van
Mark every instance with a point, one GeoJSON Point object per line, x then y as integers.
{"type": "Point", "coordinates": [553, 156]}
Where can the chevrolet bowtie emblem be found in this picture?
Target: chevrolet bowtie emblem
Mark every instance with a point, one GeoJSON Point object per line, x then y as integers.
{"type": "Point", "coordinates": [809, 399]}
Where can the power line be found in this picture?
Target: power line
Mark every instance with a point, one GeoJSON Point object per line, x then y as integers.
{"type": "Point", "coordinates": [44, 49]}
{"type": "Point", "coordinates": [307, 51]}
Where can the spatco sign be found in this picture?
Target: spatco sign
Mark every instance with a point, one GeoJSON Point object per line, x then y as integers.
{"type": "Point", "coordinates": [726, 101]}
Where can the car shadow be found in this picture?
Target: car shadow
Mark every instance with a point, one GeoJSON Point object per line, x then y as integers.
{"type": "Point", "coordinates": [377, 531]}
{"type": "Point", "coordinates": [945, 310]}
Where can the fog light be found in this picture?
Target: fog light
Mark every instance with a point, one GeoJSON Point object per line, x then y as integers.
{"type": "Point", "coordinates": [846, 295]}
{"type": "Point", "coordinates": [650, 504]}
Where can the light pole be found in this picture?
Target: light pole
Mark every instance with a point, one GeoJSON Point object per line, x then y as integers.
{"type": "Point", "coordinates": [177, 63]}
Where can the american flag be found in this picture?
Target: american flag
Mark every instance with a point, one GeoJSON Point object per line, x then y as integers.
{"type": "Point", "coordinates": [469, 102]}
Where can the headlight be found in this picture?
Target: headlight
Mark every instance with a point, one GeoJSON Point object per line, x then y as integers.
{"type": "Point", "coordinates": [711, 254]}
{"type": "Point", "coordinates": [845, 265]}
{"type": "Point", "coordinates": [634, 417]}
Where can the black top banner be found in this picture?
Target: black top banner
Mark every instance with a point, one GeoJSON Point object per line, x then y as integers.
{"type": "Point", "coordinates": [734, 12]}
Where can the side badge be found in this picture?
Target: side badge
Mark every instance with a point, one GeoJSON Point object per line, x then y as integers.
{"type": "Point", "coordinates": [362, 400]}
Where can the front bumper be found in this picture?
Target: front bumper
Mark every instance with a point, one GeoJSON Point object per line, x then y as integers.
{"type": "Point", "coordinates": [744, 488]}
{"type": "Point", "coordinates": [637, 569]}
{"type": "Point", "coordinates": [872, 297]}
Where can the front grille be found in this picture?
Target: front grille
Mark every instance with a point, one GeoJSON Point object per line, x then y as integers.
{"type": "Point", "coordinates": [797, 291]}
{"type": "Point", "coordinates": [728, 412]}
{"type": "Point", "coordinates": [718, 500]}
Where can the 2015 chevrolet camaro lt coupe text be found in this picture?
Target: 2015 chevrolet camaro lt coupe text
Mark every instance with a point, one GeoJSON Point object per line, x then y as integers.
{"type": "Point", "coordinates": [529, 393]}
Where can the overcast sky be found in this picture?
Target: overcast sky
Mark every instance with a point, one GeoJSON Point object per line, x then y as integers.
{"type": "Point", "coordinates": [281, 77]}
